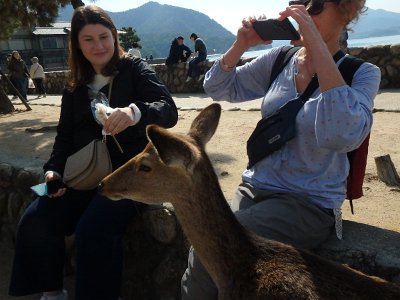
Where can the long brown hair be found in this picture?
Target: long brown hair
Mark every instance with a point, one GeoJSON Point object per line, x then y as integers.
{"type": "Point", "coordinates": [82, 71]}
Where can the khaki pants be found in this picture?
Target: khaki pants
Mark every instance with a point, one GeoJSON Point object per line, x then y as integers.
{"type": "Point", "coordinates": [288, 218]}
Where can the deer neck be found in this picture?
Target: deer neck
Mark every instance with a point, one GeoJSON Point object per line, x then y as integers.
{"type": "Point", "coordinates": [212, 228]}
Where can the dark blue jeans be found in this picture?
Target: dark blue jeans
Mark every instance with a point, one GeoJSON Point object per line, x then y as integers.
{"type": "Point", "coordinates": [39, 85]}
{"type": "Point", "coordinates": [21, 84]}
{"type": "Point", "coordinates": [99, 224]}
{"type": "Point", "coordinates": [194, 69]}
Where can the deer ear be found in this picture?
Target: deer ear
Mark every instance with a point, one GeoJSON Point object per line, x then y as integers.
{"type": "Point", "coordinates": [171, 148]}
{"type": "Point", "coordinates": [205, 124]}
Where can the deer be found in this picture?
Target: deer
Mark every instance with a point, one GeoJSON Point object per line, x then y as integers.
{"type": "Point", "coordinates": [176, 168]}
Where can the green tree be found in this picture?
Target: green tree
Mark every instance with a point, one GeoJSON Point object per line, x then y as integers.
{"type": "Point", "coordinates": [28, 13]}
{"type": "Point", "coordinates": [16, 14]}
{"type": "Point", "coordinates": [129, 39]}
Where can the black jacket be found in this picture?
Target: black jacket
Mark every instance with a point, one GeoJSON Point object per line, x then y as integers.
{"type": "Point", "coordinates": [176, 54]}
{"type": "Point", "coordinates": [17, 69]}
{"type": "Point", "coordinates": [136, 83]}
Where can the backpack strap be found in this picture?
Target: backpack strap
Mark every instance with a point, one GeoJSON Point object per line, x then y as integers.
{"type": "Point", "coordinates": [281, 61]}
{"type": "Point", "coordinates": [348, 68]}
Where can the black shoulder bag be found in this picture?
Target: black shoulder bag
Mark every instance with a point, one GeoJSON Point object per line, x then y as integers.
{"type": "Point", "coordinates": [275, 130]}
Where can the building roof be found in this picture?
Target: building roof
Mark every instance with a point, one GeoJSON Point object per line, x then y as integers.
{"type": "Point", "coordinates": [61, 24]}
{"type": "Point", "coordinates": [59, 28]}
{"type": "Point", "coordinates": [50, 31]}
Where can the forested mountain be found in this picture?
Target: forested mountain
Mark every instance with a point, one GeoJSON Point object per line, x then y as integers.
{"type": "Point", "coordinates": [158, 24]}
{"type": "Point", "coordinates": [376, 22]}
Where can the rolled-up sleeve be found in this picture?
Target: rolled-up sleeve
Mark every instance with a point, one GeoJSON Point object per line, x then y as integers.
{"type": "Point", "coordinates": [153, 98]}
{"type": "Point", "coordinates": [344, 114]}
{"type": "Point", "coordinates": [247, 82]}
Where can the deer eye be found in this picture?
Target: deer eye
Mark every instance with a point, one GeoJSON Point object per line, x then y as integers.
{"type": "Point", "coordinates": [144, 168]}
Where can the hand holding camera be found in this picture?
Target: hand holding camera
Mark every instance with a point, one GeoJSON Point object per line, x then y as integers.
{"type": "Point", "coordinates": [273, 29]}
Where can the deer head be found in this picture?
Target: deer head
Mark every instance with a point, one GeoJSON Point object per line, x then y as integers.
{"type": "Point", "coordinates": [164, 170]}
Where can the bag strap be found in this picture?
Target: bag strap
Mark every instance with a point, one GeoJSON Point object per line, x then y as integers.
{"type": "Point", "coordinates": [349, 67]}
{"type": "Point", "coordinates": [34, 73]}
{"type": "Point", "coordinates": [281, 61]}
{"type": "Point", "coordinates": [110, 88]}
{"type": "Point", "coordinates": [109, 100]}
{"type": "Point", "coordinates": [312, 86]}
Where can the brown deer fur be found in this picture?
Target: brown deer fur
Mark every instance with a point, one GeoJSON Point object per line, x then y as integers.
{"type": "Point", "coordinates": [175, 168]}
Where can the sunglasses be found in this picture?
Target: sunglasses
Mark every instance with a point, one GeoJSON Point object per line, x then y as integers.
{"type": "Point", "coordinates": [314, 7]}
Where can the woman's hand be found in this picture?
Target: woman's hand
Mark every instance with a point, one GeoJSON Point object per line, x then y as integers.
{"type": "Point", "coordinates": [119, 120]}
{"type": "Point", "coordinates": [247, 37]}
{"type": "Point", "coordinates": [310, 36]}
{"type": "Point", "coordinates": [50, 176]}
{"type": "Point", "coordinates": [318, 50]}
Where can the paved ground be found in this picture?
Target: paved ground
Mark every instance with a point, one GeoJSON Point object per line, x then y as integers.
{"type": "Point", "coordinates": [387, 100]}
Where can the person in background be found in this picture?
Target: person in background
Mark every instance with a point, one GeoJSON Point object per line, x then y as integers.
{"type": "Point", "coordinates": [11, 88]}
{"type": "Point", "coordinates": [19, 73]}
{"type": "Point", "coordinates": [178, 52]}
{"type": "Point", "coordinates": [137, 98]}
{"type": "Point", "coordinates": [37, 74]}
{"type": "Point", "coordinates": [135, 52]}
{"type": "Point", "coordinates": [200, 50]}
{"type": "Point", "coordinates": [295, 194]}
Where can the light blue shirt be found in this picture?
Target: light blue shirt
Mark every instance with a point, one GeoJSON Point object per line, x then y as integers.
{"type": "Point", "coordinates": [329, 125]}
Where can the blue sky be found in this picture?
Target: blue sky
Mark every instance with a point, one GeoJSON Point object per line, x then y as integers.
{"type": "Point", "coordinates": [227, 12]}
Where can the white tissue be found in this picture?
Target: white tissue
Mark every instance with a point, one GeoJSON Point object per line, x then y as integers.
{"type": "Point", "coordinates": [102, 112]}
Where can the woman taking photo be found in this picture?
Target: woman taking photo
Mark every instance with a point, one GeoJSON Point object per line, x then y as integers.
{"type": "Point", "coordinates": [294, 195]}
{"type": "Point", "coordinates": [137, 98]}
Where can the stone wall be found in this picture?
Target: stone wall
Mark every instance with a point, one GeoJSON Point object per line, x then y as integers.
{"type": "Point", "coordinates": [156, 249]}
{"type": "Point", "coordinates": [55, 81]}
{"type": "Point", "coordinates": [386, 57]}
